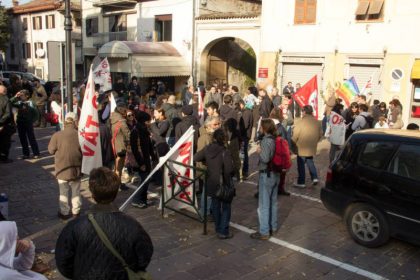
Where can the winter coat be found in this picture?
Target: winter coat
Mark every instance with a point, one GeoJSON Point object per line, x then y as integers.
{"type": "Point", "coordinates": [205, 139]}
{"type": "Point", "coordinates": [26, 113]}
{"type": "Point", "coordinates": [236, 97]}
{"type": "Point", "coordinates": [218, 161]}
{"type": "Point", "coordinates": [141, 146]}
{"type": "Point", "coordinates": [19, 267]}
{"type": "Point", "coordinates": [246, 122]}
{"type": "Point", "coordinates": [227, 112]}
{"type": "Point", "coordinates": [184, 125]}
{"type": "Point", "coordinates": [265, 107]}
{"type": "Point", "coordinates": [159, 131]}
{"type": "Point", "coordinates": [216, 97]}
{"type": "Point", "coordinates": [172, 115]}
{"type": "Point", "coordinates": [80, 253]}
{"type": "Point", "coordinates": [120, 134]}
{"type": "Point", "coordinates": [5, 111]}
{"type": "Point", "coordinates": [396, 121]}
{"type": "Point", "coordinates": [64, 145]}
{"type": "Point", "coordinates": [106, 145]}
{"type": "Point", "coordinates": [306, 135]}
{"type": "Point", "coordinates": [268, 147]}
{"type": "Point", "coordinates": [39, 96]}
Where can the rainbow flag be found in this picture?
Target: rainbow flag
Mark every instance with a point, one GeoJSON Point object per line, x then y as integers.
{"type": "Point", "coordinates": [348, 90]}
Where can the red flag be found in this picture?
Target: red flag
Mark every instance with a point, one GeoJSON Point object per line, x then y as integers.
{"type": "Point", "coordinates": [308, 95]}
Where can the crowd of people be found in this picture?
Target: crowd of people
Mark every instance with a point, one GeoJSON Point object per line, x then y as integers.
{"type": "Point", "coordinates": [145, 125]}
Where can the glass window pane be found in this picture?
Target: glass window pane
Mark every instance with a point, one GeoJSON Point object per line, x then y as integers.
{"type": "Point", "coordinates": [406, 162]}
{"type": "Point", "coordinates": [376, 154]}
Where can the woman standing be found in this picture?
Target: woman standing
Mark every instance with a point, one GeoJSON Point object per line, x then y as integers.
{"type": "Point", "coordinates": [395, 115]}
{"type": "Point", "coordinates": [268, 183]}
{"type": "Point", "coordinates": [349, 115]}
{"type": "Point", "coordinates": [219, 171]}
{"type": "Point", "coordinates": [159, 129]}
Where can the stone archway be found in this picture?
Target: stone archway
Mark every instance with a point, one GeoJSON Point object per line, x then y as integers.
{"type": "Point", "coordinates": [229, 60]}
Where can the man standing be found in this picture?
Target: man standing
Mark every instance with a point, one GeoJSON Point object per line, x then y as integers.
{"type": "Point", "coordinates": [213, 96]}
{"type": "Point", "coordinates": [120, 137]}
{"type": "Point", "coordinates": [236, 96]}
{"type": "Point", "coordinates": [188, 95]}
{"type": "Point", "coordinates": [172, 115]}
{"type": "Point", "coordinates": [40, 97]}
{"type": "Point", "coordinates": [6, 125]}
{"type": "Point", "coordinates": [64, 145]}
{"type": "Point", "coordinates": [134, 86]}
{"type": "Point", "coordinates": [226, 110]}
{"type": "Point", "coordinates": [246, 121]}
{"type": "Point", "coordinates": [289, 89]}
{"type": "Point", "coordinates": [80, 252]}
{"type": "Point", "coordinates": [187, 120]}
{"type": "Point", "coordinates": [266, 104]}
{"type": "Point", "coordinates": [306, 135]}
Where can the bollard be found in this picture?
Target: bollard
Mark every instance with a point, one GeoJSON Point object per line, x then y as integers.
{"type": "Point", "coordinates": [4, 205]}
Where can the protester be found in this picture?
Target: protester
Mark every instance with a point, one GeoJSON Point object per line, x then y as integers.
{"type": "Point", "coordinates": [172, 115]}
{"type": "Point", "coordinates": [288, 89]}
{"type": "Point", "coordinates": [250, 97]}
{"type": "Point", "coordinates": [16, 255]}
{"type": "Point", "coordinates": [120, 88]}
{"type": "Point", "coordinates": [363, 120]}
{"type": "Point", "coordinates": [7, 127]}
{"type": "Point", "coordinates": [56, 113]}
{"type": "Point", "coordinates": [120, 137]}
{"type": "Point", "coordinates": [220, 169]}
{"type": "Point", "coordinates": [395, 115]}
{"type": "Point", "coordinates": [382, 123]}
{"type": "Point", "coordinates": [80, 253]}
{"type": "Point", "coordinates": [276, 97]}
{"type": "Point", "coordinates": [245, 130]}
{"type": "Point", "coordinates": [349, 116]}
{"type": "Point", "coordinates": [64, 145]}
{"type": "Point", "coordinates": [159, 129]}
{"type": "Point", "coordinates": [227, 110]}
{"type": "Point", "coordinates": [212, 109]}
{"type": "Point", "coordinates": [306, 135]}
{"type": "Point", "coordinates": [336, 131]}
{"type": "Point", "coordinates": [186, 99]}
{"type": "Point", "coordinates": [187, 120]}
{"type": "Point", "coordinates": [40, 98]}
{"type": "Point", "coordinates": [266, 104]}
{"type": "Point", "coordinates": [268, 183]}
{"type": "Point", "coordinates": [213, 96]}
{"type": "Point", "coordinates": [142, 147]}
{"type": "Point", "coordinates": [134, 86]}
{"type": "Point", "coordinates": [26, 116]}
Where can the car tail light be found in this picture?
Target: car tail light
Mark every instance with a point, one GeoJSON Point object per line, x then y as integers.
{"type": "Point", "coordinates": [329, 178]}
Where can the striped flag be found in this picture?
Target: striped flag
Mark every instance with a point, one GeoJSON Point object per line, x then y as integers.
{"type": "Point", "coordinates": [367, 87]}
{"type": "Point", "coordinates": [200, 107]}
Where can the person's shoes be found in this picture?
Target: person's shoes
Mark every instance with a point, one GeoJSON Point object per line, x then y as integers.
{"type": "Point", "coordinates": [76, 215]}
{"type": "Point", "coordinates": [64, 217]}
{"type": "Point", "coordinates": [302, 186]}
{"type": "Point", "coordinates": [283, 193]}
{"type": "Point", "coordinates": [25, 157]}
{"type": "Point", "coordinates": [273, 232]}
{"type": "Point", "coordinates": [259, 236]}
{"type": "Point", "coordinates": [223, 236]}
{"type": "Point", "coordinates": [123, 187]}
{"type": "Point", "coordinates": [139, 205]}
{"type": "Point", "coordinates": [36, 156]}
{"type": "Point", "coordinates": [6, 160]}
{"type": "Point", "coordinates": [315, 182]}
{"type": "Point", "coordinates": [256, 194]}
{"type": "Point", "coordinates": [244, 176]}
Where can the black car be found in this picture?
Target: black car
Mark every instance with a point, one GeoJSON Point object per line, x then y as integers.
{"type": "Point", "coordinates": [375, 186]}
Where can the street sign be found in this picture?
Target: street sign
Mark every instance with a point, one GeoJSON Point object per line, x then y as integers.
{"type": "Point", "coordinates": [263, 73]}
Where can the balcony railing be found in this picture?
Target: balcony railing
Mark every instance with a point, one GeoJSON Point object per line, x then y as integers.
{"type": "Point", "coordinates": [102, 38]}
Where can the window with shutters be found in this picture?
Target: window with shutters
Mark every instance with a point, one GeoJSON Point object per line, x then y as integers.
{"type": "Point", "coordinates": [305, 11]}
{"type": "Point", "coordinates": [36, 47]}
{"type": "Point", "coordinates": [91, 26]}
{"type": "Point", "coordinates": [370, 10]}
{"type": "Point", "coordinates": [50, 21]}
{"type": "Point", "coordinates": [26, 50]}
{"type": "Point", "coordinates": [37, 23]}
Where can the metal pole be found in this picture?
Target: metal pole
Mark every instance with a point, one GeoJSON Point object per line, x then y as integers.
{"type": "Point", "coordinates": [193, 47]}
{"type": "Point", "coordinates": [69, 66]}
{"type": "Point", "coordinates": [61, 82]}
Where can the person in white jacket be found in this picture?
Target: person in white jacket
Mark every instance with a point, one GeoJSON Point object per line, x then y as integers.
{"type": "Point", "coordinates": [336, 131]}
{"type": "Point", "coordinates": [19, 267]}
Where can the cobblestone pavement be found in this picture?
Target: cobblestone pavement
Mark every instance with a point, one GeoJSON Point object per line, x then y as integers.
{"type": "Point", "coordinates": [312, 243]}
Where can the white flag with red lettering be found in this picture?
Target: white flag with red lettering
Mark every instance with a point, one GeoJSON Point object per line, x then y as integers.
{"type": "Point", "coordinates": [200, 107]}
{"type": "Point", "coordinates": [102, 75]}
{"type": "Point", "coordinates": [89, 136]}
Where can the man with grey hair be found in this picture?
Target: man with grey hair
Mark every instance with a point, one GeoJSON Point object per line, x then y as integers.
{"type": "Point", "coordinates": [6, 125]}
{"type": "Point", "coordinates": [64, 145]}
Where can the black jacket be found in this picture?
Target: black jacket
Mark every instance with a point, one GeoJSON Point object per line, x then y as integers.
{"type": "Point", "coordinates": [143, 154]}
{"type": "Point", "coordinates": [245, 123]}
{"type": "Point", "coordinates": [172, 115]}
{"type": "Point", "coordinates": [80, 254]}
{"type": "Point", "coordinates": [227, 112]}
{"type": "Point", "coordinates": [266, 107]}
{"type": "Point", "coordinates": [184, 125]}
{"type": "Point", "coordinates": [212, 156]}
{"type": "Point", "coordinates": [159, 131]}
{"type": "Point", "coordinates": [106, 145]}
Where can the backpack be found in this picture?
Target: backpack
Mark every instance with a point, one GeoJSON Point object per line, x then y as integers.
{"type": "Point", "coordinates": [369, 122]}
{"type": "Point", "coordinates": [281, 159]}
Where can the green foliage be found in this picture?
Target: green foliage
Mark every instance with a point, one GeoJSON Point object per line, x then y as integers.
{"type": "Point", "coordinates": [4, 28]}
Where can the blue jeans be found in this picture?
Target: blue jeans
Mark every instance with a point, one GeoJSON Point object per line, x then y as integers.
{"type": "Point", "coordinates": [221, 214]}
{"type": "Point", "coordinates": [141, 195]}
{"type": "Point", "coordinates": [267, 202]}
{"type": "Point", "coordinates": [301, 168]}
{"type": "Point", "coordinates": [202, 204]}
{"type": "Point", "coordinates": [289, 135]}
{"type": "Point", "coordinates": [245, 164]}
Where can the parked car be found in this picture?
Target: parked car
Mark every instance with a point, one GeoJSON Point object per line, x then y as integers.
{"type": "Point", "coordinates": [5, 76]}
{"type": "Point", "coordinates": [375, 186]}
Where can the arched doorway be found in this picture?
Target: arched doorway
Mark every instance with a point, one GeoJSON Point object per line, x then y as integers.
{"type": "Point", "coordinates": [230, 61]}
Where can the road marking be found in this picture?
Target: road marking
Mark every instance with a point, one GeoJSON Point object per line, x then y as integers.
{"type": "Point", "coordinates": [314, 255]}
{"type": "Point", "coordinates": [292, 193]}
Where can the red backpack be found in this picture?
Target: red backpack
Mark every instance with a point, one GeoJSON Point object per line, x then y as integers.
{"type": "Point", "coordinates": [281, 159]}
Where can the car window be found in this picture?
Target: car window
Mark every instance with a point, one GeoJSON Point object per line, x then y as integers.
{"type": "Point", "coordinates": [376, 154]}
{"type": "Point", "coordinates": [406, 162]}
{"type": "Point", "coordinates": [6, 75]}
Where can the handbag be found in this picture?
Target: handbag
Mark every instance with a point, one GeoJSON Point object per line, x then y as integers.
{"type": "Point", "coordinates": [225, 192]}
{"type": "Point", "coordinates": [140, 275]}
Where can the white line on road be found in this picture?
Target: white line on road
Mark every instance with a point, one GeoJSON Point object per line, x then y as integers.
{"type": "Point", "coordinates": [315, 255]}
{"type": "Point", "coordinates": [292, 193]}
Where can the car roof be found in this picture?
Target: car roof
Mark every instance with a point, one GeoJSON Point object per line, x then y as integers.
{"type": "Point", "coordinates": [387, 134]}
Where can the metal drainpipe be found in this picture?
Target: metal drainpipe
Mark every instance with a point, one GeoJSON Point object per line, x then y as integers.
{"type": "Point", "coordinates": [69, 66]}
{"type": "Point", "coordinates": [193, 62]}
